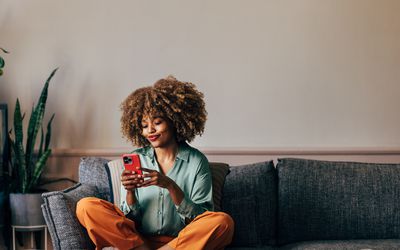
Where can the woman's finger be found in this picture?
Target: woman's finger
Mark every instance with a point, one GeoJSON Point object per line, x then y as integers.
{"type": "Point", "coordinates": [150, 175]}
{"type": "Point", "coordinates": [127, 172]}
{"type": "Point", "coordinates": [153, 180]}
{"type": "Point", "coordinates": [148, 184]}
{"type": "Point", "coordinates": [149, 170]}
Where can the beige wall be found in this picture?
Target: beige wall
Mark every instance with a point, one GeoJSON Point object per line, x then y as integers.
{"type": "Point", "coordinates": [300, 74]}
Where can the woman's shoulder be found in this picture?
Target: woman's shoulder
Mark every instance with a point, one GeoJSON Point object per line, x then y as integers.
{"type": "Point", "coordinates": [144, 151]}
{"type": "Point", "coordinates": [192, 154]}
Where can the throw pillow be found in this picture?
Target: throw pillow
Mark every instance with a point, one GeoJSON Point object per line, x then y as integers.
{"type": "Point", "coordinates": [218, 171]}
{"type": "Point", "coordinates": [114, 170]}
{"type": "Point", "coordinates": [250, 197]}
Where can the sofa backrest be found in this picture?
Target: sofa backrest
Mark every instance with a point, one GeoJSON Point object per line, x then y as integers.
{"type": "Point", "coordinates": [250, 197]}
{"type": "Point", "coordinates": [322, 200]}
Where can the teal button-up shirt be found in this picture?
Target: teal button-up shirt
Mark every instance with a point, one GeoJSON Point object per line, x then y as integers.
{"type": "Point", "coordinates": [154, 211]}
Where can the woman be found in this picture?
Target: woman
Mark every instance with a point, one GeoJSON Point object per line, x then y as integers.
{"type": "Point", "coordinates": [170, 205]}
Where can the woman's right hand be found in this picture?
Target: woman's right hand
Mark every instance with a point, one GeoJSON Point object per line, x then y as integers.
{"type": "Point", "coordinates": [130, 180]}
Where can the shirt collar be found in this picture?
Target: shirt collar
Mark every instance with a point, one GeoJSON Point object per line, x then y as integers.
{"type": "Point", "coordinates": [183, 152]}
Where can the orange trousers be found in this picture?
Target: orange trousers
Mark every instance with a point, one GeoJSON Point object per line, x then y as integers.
{"type": "Point", "coordinates": [107, 226]}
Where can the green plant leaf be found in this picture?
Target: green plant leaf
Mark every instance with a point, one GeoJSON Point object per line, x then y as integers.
{"type": "Point", "coordinates": [19, 148]}
{"type": "Point", "coordinates": [2, 63]}
{"type": "Point", "coordinates": [39, 166]}
{"type": "Point", "coordinates": [48, 134]}
{"type": "Point", "coordinates": [35, 121]}
{"type": "Point", "coordinates": [14, 171]}
{"type": "Point", "coordinates": [41, 145]}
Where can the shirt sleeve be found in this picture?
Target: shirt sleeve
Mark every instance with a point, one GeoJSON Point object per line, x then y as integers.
{"type": "Point", "coordinates": [130, 211]}
{"type": "Point", "coordinates": [200, 199]}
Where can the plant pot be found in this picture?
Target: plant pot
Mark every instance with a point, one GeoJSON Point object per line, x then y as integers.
{"type": "Point", "coordinates": [26, 210]}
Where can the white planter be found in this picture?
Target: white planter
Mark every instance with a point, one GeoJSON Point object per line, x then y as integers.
{"type": "Point", "coordinates": [25, 209]}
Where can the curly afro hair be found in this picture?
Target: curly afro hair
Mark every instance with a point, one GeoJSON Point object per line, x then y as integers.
{"type": "Point", "coordinates": [178, 102]}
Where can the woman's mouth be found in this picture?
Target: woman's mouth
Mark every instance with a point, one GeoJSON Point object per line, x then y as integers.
{"type": "Point", "coordinates": [153, 137]}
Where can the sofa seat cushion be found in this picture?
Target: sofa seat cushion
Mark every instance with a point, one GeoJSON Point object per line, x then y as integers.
{"type": "Point", "coordinates": [387, 244]}
{"type": "Point", "coordinates": [250, 197]}
{"type": "Point", "coordinates": [326, 200]}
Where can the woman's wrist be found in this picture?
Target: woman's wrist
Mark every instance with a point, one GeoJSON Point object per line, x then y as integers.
{"type": "Point", "coordinates": [175, 192]}
{"type": "Point", "coordinates": [130, 197]}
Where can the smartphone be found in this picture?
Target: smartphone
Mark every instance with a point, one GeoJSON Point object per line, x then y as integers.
{"type": "Point", "coordinates": [131, 162]}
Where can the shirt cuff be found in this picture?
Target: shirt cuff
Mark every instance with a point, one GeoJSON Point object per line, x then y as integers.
{"type": "Point", "coordinates": [133, 209]}
{"type": "Point", "coordinates": [188, 209]}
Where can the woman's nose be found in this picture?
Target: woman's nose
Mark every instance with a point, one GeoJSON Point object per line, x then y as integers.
{"type": "Point", "coordinates": [151, 128]}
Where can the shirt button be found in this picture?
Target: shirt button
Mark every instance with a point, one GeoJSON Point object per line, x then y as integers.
{"type": "Point", "coordinates": [159, 212]}
{"type": "Point", "coordinates": [161, 194]}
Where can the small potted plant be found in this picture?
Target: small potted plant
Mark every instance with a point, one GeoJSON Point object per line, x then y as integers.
{"type": "Point", "coordinates": [26, 164]}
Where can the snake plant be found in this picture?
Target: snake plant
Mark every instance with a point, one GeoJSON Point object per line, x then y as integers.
{"type": "Point", "coordinates": [26, 165]}
{"type": "Point", "coordinates": [2, 63]}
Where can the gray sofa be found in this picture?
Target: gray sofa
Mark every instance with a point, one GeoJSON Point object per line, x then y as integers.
{"type": "Point", "coordinates": [299, 204]}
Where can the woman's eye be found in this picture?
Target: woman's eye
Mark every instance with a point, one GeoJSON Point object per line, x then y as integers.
{"type": "Point", "coordinates": [158, 122]}
{"type": "Point", "coordinates": [144, 126]}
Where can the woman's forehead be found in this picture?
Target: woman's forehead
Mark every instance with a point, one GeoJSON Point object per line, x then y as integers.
{"type": "Point", "coordinates": [151, 117]}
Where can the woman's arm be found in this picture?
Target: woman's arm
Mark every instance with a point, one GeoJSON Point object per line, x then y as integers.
{"type": "Point", "coordinates": [129, 183]}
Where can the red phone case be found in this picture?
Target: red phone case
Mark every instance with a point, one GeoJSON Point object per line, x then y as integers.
{"type": "Point", "coordinates": [131, 162]}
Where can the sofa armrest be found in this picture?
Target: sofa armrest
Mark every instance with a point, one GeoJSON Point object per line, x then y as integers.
{"type": "Point", "coordinates": [59, 213]}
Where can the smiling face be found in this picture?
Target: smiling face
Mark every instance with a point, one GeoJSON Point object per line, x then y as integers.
{"type": "Point", "coordinates": [158, 131]}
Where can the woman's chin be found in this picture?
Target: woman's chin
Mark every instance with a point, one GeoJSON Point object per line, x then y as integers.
{"type": "Point", "coordinates": [156, 144]}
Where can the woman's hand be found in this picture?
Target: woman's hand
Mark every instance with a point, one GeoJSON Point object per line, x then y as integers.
{"type": "Point", "coordinates": [161, 180]}
{"type": "Point", "coordinates": [131, 180]}
{"type": "Point", "coordinates": [156, 179]}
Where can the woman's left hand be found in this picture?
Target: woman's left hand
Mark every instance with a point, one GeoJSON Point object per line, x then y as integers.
{"type": "Point", "coordinates": [156, 179]}
{"type": "Point", "coordinates": [161, 180]}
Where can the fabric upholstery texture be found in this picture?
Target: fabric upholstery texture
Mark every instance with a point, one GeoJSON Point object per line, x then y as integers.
{"type": "Point", "coordinates": [250, 197]}
{"type": "Point", "coordinates": [92, 171]}
{"type": "Point", "coordinates": [322, 200]}
{"type": "Point", "coordinates": [59, 213]}
{"type": "Point", "coordinates": [219, 171]}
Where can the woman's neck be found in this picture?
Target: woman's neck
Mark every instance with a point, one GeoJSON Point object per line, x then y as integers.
{"type": "Point", "coordinates": [167, 153]}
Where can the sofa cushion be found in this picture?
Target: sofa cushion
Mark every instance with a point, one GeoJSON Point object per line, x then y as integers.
{"type": "Point", "coordinates": [250, 197]}
{"type": "Point", "coordinates": [92, 171]}
{"type": "Point", "coordinates": [326, 200]}
{"type": "Point", "coordinates": [219, 171]}
{"type": "Point", "coordinates": [59, 213]}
